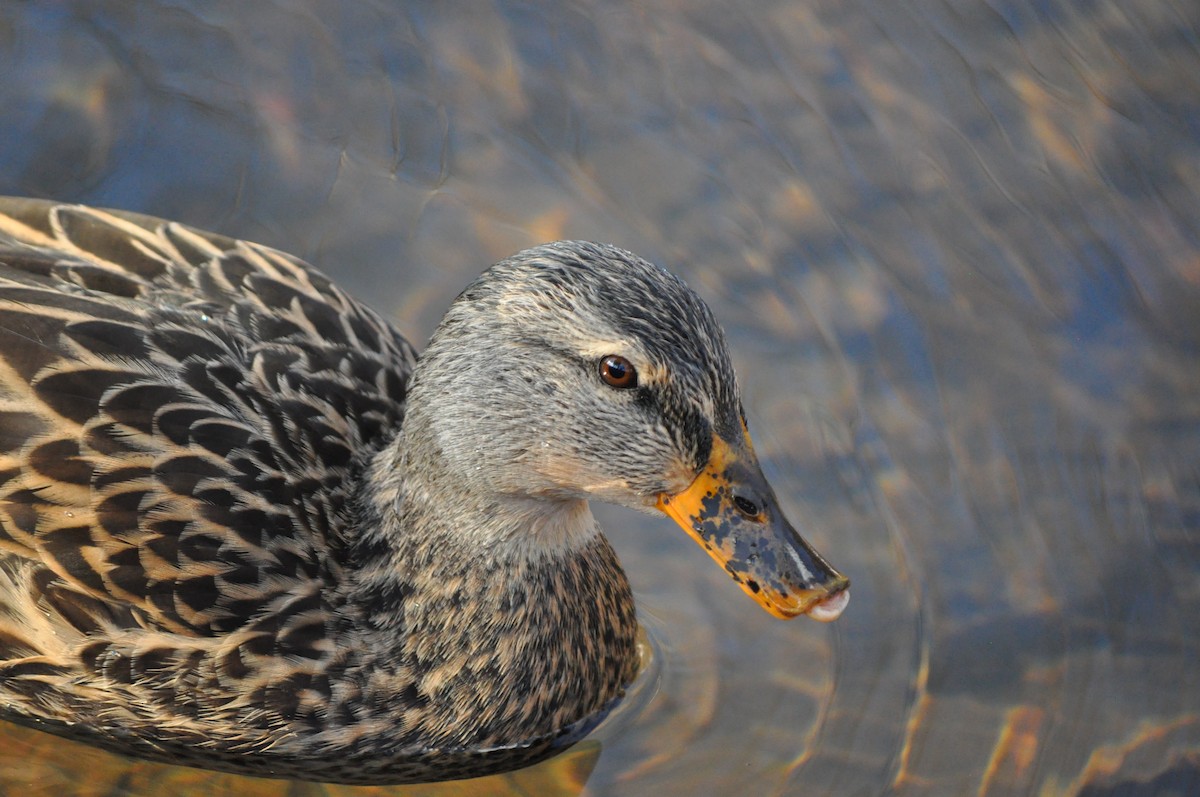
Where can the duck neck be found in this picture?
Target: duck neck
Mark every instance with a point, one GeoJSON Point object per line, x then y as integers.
{"type": "Point", "coordinates": [425, 520]}
{"type": "Point", "coordinates": [494, 617]}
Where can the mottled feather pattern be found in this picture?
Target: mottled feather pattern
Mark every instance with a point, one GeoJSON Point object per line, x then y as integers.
{"type": "Point", "coordinates": [181, 420]}
{"type": "Point", "coordinates": [160, 416]}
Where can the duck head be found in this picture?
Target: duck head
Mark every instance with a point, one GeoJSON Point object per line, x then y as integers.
{"type": "Point", "coordinates": [577, 371]}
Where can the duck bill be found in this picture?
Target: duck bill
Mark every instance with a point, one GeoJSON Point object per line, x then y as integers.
{"type": "Point", "coordinates": [761, 551]}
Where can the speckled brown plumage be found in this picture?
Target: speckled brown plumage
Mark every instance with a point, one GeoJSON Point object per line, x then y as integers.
{"type": "Point", "coordinates": [223, 543]}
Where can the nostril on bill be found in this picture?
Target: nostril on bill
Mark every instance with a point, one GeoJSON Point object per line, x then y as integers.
{"type": "Point", "coordinates": [747, 507]}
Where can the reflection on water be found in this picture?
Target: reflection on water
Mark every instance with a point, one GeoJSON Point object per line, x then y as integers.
{"type": "Point", "coordinates": [957, 251]}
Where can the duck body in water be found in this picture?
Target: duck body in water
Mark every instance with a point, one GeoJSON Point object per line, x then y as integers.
{"type": "Point", "coordinates": [244, 527]}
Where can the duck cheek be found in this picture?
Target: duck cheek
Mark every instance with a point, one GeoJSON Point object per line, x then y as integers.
{"type": "Point", "coordinates": [578, 477]}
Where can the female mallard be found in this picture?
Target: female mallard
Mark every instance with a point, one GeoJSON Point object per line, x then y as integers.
{"type": "Point", "coordinates": [220, 547]}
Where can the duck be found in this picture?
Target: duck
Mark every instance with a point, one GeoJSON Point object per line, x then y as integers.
{"type": "Point", "coordinates": [244, 526]}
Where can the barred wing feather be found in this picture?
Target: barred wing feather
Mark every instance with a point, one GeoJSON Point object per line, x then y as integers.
{"type": "Point", "coordinates": [181, 416]}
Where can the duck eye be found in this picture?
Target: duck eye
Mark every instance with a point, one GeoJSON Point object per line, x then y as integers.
{"type": "Point", "coordinates": [618, 372]}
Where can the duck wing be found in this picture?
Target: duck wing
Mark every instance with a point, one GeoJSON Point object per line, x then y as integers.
{"type": "Point", "coordinates": [182, 417]}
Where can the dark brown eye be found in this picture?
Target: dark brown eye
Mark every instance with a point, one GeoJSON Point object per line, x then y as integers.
{"type": "Point", "coordinates": [618, 372]}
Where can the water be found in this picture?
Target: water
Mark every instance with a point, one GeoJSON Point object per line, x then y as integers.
{"type": "Point", "coordinates": [957, 250]}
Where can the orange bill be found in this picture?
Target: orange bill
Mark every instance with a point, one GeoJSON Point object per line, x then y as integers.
{"type": "Point", "coordinates": [731, 511]}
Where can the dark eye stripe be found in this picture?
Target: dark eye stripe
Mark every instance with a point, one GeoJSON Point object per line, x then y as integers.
{"type": "Point", "coordinates": [618, 372]}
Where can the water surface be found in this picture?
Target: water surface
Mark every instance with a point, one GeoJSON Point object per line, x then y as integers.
{"type": "Point", "coordinates": [957, 250]}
